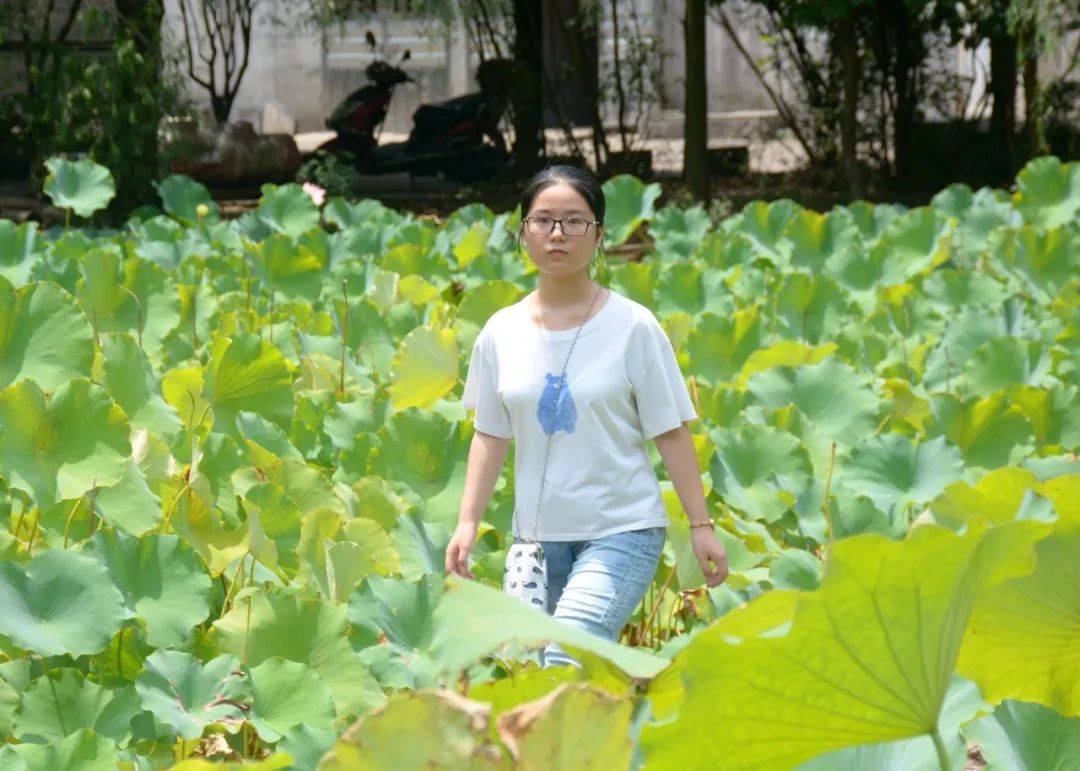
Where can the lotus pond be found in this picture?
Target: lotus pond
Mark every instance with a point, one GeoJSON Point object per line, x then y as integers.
{"type": "Point", "coordinates": [232, 453]}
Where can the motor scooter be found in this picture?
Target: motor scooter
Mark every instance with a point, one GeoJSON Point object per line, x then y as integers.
{"type": "Point", "coordinates": [458, 138]}
{"type": "Point", "coordinates": [358, 115]}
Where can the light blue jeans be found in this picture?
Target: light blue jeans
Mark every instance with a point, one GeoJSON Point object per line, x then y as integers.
{"type": "Point", "coordinates": [595, 585]}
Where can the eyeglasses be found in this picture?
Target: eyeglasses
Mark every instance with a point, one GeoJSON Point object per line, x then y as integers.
{"type": "Point", "coordinates": [571, 226]}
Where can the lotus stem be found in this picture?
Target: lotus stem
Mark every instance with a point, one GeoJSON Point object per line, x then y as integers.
{"type": "Point", "coordinates": [828, 484]}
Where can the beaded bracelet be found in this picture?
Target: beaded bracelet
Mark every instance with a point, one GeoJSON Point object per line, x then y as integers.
{"type": "Point", "coordinates": [701, 524]}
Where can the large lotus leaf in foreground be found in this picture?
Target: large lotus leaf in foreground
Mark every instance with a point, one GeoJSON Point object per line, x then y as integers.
{"type": "Point", "coordinates": [444, 730]}
{"type": "Point", "coordinates": [868, 657]}
{"type": "Point", "coordinates": [464, 632]}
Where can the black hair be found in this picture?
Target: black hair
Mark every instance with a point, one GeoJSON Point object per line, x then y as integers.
{"type": "Point", "coordinates": [581, 179]}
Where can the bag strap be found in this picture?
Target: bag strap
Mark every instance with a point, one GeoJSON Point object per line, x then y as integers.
{"type": "Point", "coordinates": [554, 407]}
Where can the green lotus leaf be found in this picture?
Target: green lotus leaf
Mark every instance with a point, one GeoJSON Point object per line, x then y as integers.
{"type": "Point", "coordinates": [718, 346]}
{"type": "Point", "coordinates": [870, 219]}
{"type": "Point", "coordinates": [287, 209]}
{"type": "Point", "coordinates": [795, 569]}
{"type": "Point", "coordinates": [416, 448]}
{"type": "Point", "coordinates": [182, 196]}
{"type": "Point", "coordinates": [60, 448]}
{"type": "Point", "coordinates": [293, 266]}
{"type": "Point", "coordinates": [1054, 414]}
{"type": "Point", "coordinates": [636, 280]}
{"type": "Point", "coordinates": [1048, 192]}
{"type": "Point", "coordinates": [1044, 260]}
{"type": "Point", "coordinates": [915, 242]}
{"type": "Point", "coordinates": [133, 384]}
{"type": "Point", "coordinates": [1004, 361]}
{"type": "Point", "coordinates": [164, 582]}
{"type": "Point", "coordinates": [425, 368]}
{"type": "Point", "coordinates": [815, 238]}
{"type": "Point", "coordinates": [576, 723]}
{"type": "Point", "coordinates": [979, 214]}
{"type": "Point", "coordinates": [286, 694]}
{"type": "Point", "coordinates": [266, 442]}
{"type": "Point", "coordinates": [347, 420]}
{"type": "Point", "coordinates": [60, 602]}
{"type": "Point", "coordinates": [680, 288]}
{"type": "Point", "coordinates": [1023, 737]}
{"type": "Point", "coordinates": [630, 202]}
{"type": "Point", "coordinates": [82, 751]}
{"type": "Point", "coordinates": [186, 695]}
{"type": "Point", "coordinates": [306, 746]}
{"type": "Point", "coordinates": [19, 245]}
{"type": "Point", "coordinates": [679, 232]}
{"type": "Point", "coordinates": [247, 373]}
{"type": "Point", "coordinates": [81, 186]}
{"type": "Point", "coordinates": [813, 308]}
{"type": "Point", "coordinates": [42, 336]}
{"type": "Point", "coordinates": [377, 500]}
{"type": "Point", "coordinates": [1064, 493]}
{"type": "Point", "coordinates": [472, 244]}
{"type": "Point", "coordinates": [464, 632]}
{"type": "Point", "coordinates": [962, 704]}
{"type": "Point", "coordinates": [764, 225]}
{"type": "Point", "coordinates": [402, 610]}
{"type": "Point", "coordinates": [990, 432]}
{"type": "Point", "coordinates": [758, 469]}
{"type": "Point", "coordinates": [420, 545]}
{"type": "Point", "coordinates": [130, 295]}
{"type": "Point", "coordinates": [831, 394]}
{"type": "Point", "coordinates": [62, 702]}
{"type": "Point", "coordinates": [356, 214]}
{"type": "Point", "coordinates": [368, 336]}
{"type": "Point", "coordinates": [786, 353]}
{"type": "Point", "coordinates": [895, 472]}
{"type": "Point", "coordinates": [966, 332]}
{"type": "Point", "coordinates": [277, 761]}
{"type": "Point", "coordinates": [310, 631]}
{"type": "Point", "coordinates": [454, 736]}
{"type": "Point", "coordinates": [994, 499]}
{"type": "Point", "coordinates": [868, 657]}
{"type": "Point", "coordinates": [1023, 638]}
{"type": "Point", "coordinates": [955, 290]}
{"type": "Point", "coordinates": [480, 303]}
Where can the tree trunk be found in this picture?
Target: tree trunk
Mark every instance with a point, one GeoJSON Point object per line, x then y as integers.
{"type": "Point", "coordinates": [849, 59]}
{"type": "Point", "coordinates": [695, 131]}
{"type": "Point", "coordinates": [1035, 136]}
{"type": "Point", "coordinates": [526, 97]}
{"type": "Point", "coordinates": [1003, 117]}
{"type": "Point", "coordinates": [904, 66]}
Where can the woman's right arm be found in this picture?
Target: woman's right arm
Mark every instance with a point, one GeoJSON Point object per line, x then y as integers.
{"type": "Point", "coordinates": [487, 454]}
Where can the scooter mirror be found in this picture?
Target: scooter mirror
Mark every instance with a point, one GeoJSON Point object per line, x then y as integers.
{"type": "Point", "coordinates": [370, 38]}
{"type": "Point", "coordinates": [406, 56]}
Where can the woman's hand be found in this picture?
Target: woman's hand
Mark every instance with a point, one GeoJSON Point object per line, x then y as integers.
{"type": "Point", "coordinates": [457, 551]}
{"type": "Point", "coordinates": [708, 549]}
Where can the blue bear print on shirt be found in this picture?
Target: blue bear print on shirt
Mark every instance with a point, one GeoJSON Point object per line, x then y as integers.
{"type": "Point", "coordinates": [554, 416]}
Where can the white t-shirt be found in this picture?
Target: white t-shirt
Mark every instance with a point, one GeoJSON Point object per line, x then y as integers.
{"type": "Point", "coordinates": [623, 386]}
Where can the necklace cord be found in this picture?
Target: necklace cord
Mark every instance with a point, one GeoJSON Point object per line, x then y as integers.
{"type": "Point", "coordinates": [555, 403]}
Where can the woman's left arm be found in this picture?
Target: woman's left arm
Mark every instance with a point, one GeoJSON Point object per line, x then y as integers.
{"type": "Point", "coordinates": [677, 449]}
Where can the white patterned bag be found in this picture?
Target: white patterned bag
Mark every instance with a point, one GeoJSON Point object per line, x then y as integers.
{"type": "Point", "coordinates": [525, 574]}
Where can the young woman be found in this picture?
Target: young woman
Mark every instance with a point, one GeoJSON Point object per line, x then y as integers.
{"type": "Point", "coordinates": [601, 519]}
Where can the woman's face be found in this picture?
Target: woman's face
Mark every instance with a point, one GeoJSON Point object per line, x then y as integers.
{"type": "Point", "coordinates": [555, 251]}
